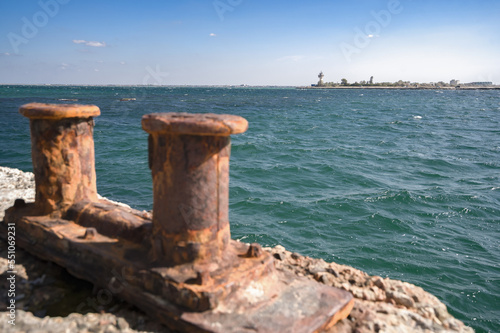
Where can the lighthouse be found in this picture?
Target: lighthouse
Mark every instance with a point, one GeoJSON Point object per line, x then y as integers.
{"type": "Point", "coordinates": [320, 76]}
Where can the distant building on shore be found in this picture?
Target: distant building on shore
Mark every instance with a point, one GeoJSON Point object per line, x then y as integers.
{"type": "Point", "coordinates": [454, 82]}
{"type": "Point", "coordinates": [479, 84]}
{"type": "Point", "coordinates": [320, 82]}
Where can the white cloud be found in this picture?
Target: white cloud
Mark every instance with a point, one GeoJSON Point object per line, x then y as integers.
{"type": "Point", "coordinates": [292, 58]}
{"type": "Point", "coordinates": [122, 62]}
{"type": "Point", "coordinates": [8, 54]}
{"type": "Point", "coordinates": [212, 35]}
{"type": "Point", "coordinates": [96, 44]}
{"type": "Point", "coordinates": [89, 43]}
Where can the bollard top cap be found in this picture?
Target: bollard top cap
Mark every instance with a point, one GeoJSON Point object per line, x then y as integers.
{"type": "Point", "coordinates": [58, 111]}
{"type": "Point", "coordinates": [194, 123]}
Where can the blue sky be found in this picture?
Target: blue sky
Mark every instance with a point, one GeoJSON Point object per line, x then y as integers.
{"type": "Point", "coordinates": [205, 42]}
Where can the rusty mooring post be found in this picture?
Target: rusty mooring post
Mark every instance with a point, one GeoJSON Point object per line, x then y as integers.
{"type": "Point", "coordinates": [197, 279]}
{"type": "Point", "coordinates": [63, 154]}
{"type": "Point", "coordinates": [189, 161]}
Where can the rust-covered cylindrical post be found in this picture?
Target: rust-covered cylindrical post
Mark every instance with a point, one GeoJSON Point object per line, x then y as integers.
{"type": "Point", "coordinates": [189, 161]}
{"type": "Point", "coordinates": [63, 154]}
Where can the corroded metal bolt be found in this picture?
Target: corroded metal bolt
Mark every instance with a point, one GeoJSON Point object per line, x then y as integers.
{"type": "Point", "coordinates": [254, 251]}
{"type": "Point", "coordinates": [63, 154]}
{"type": "Point", "coordinates": [90, 233]}
{"type": "Point", "coordinates": [189, 161]}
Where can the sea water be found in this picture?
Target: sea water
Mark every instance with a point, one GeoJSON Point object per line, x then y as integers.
{"type": "Point", "coordinates": [399, 183]}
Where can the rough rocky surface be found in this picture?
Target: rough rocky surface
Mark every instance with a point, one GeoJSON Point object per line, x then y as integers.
{"type": "Point", "coordinates": [48, 299]}
{"type": "Point", "coordinates": [381, 305]}
{"type": "Point", "coordinates": [15, 184]}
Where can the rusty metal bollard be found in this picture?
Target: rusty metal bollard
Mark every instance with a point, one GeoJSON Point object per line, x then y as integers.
{"type": "Point", "coordinates": [189, 161]}
{"type": "Point", "coordinates": [62, 153]}
{"type": "Point", "coordinates": [198, 279]}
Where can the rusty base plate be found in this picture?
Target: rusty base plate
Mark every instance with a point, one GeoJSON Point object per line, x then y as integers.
{"type": "Point", "coordinates": [235, 293]}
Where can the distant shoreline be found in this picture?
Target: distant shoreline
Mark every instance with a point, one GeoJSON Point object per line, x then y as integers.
{"type": "Point", "coordinates": [496, 87]}
{"type": "Point", "coordinates": [403, 88]}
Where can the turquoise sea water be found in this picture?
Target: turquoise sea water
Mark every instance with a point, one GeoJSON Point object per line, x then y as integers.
{"type": "Point", "coordinates": [398, 183]}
